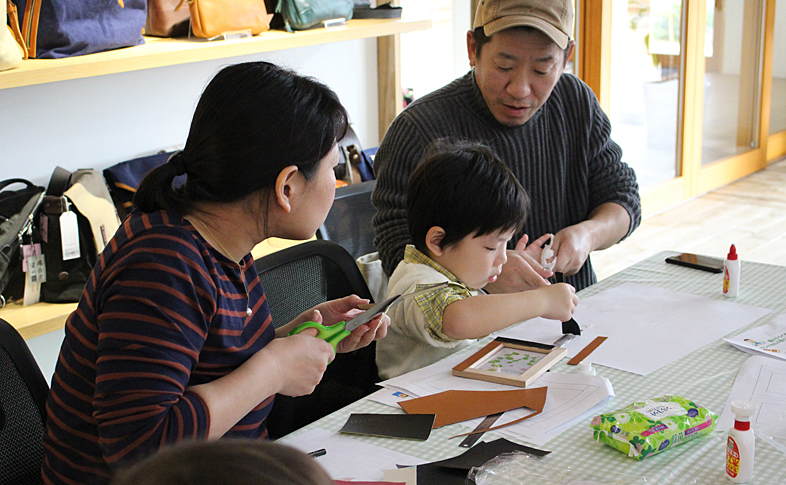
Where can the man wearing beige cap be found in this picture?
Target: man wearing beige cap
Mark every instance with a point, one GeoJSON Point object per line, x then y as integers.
{"type": "Point", "coordinates": [545, 124]}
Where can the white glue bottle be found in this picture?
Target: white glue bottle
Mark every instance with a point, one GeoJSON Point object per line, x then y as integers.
{"type": "Point", "coordinates": [731, 273]}
{"type": "Point", "coordinates": [741, 443]}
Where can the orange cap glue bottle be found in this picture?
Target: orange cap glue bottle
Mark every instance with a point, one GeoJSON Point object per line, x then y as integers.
{"type": "Point", "coordinates": [741, 443]}
{"type": "Point", "coordinates": [731, 273]}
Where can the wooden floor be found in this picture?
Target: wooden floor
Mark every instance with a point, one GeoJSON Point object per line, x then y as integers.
{"type": "Point", "coordinates": [751, 213]}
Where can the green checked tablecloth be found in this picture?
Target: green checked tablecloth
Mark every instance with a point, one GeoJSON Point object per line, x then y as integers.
{"type": "Point", "coordinates": [705, 377]}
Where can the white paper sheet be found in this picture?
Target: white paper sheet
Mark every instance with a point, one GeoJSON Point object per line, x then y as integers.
{"type": "Point", "coordinates": [647, 327]}
{"type": "Point", "coordinates": [570, 397]}
{"type": "Point", "coordinates": [769, 340]}
{"type": "Point", "coordinates": [348, 457]}
{"type": "Point", "coordinates": [763, 381]}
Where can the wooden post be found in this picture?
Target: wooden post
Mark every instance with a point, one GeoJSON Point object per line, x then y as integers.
{"type": "Point", "coordinates": [595, 48]}
{"type": "Point", "coordinates": [391, 99]}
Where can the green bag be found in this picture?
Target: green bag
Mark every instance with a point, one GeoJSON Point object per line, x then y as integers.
{"type": "Point", "coordinates": [305, 14]}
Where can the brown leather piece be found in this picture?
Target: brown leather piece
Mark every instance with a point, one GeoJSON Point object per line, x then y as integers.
{"type": "Point", "coordinates": [586, 351]}
{"type": "Point", "coordinates": [457, 406]}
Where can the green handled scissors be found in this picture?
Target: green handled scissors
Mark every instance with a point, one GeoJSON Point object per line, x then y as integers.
{"type": "Point", "coordinates": [336, 333]}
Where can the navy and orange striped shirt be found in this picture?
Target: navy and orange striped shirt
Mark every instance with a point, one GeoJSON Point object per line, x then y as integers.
{"type": "Point", "coordinates": [162, 311]}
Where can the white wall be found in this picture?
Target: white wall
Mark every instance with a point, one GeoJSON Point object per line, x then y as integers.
{"type": "Point", "coordinates": [97, 122]}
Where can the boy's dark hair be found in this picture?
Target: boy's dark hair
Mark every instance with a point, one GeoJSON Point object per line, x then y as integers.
{"type": "Point", "coordinates": [464, 188]}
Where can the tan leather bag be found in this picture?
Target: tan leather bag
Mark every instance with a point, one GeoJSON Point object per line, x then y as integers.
{"type": "Point", "coordinates": [210, 18]}
{"type": "Point", "coordinates": [165, 19]}
{"type": "Point", "coordinates": [12, 45]}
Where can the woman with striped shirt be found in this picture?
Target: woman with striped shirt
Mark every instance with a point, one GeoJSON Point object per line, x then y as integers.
{"type": "Point", "coordinates": [172, 339]}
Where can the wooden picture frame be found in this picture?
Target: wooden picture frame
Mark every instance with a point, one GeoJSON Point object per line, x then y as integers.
{"type": "Point", "coordinates": [510, 361]}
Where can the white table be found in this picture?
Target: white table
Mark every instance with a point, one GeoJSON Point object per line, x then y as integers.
{"type": "Point", "coordinates": [706, 377]}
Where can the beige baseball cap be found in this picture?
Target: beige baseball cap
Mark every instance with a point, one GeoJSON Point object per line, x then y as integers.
{"type": "Point", "coordinates": [552, 17]}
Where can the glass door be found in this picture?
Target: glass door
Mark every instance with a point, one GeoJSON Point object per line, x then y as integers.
{"type": "Point", "coordinates": [731, 134]}
{"type": "Point", "coordinates": [644, 86]}
{"type": "Point", "coordinates": [776, 146]}
{"type": "Point", "coordinates": [731, 79]}
{"type": "Point", "coordinates": [686, 85]}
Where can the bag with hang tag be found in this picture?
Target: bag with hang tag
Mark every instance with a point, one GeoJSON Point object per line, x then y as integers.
{"type": "Point", "coordinates": [75, 221]}
{"type": "Point", "coordinates": [17, 211]}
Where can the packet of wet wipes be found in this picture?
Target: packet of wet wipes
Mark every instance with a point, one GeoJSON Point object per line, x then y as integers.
{"type": "Point", "coordinates": [645, 428]}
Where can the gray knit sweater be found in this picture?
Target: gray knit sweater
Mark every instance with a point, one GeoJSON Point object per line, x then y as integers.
{"type": "Point", "coordinates": [563, 157]}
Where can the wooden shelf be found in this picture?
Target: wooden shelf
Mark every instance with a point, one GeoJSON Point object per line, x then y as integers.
{"type": "Point", "coordinates": [34, 320]}
{"type": "Point", "coordinates": [159, 52]}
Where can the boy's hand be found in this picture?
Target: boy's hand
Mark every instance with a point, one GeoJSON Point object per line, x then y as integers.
{"type": "Point", "coordinates": [559, 301]}
{"type": "Point", "coordinates": [521, 271]}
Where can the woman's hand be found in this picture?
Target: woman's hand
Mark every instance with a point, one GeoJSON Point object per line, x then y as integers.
{"type": "Point", "coordinates": [375, 329]}
{"type": "Point", "coordinates": [341, 310]}
{"type": "Point", "coordinates": [298, 362]}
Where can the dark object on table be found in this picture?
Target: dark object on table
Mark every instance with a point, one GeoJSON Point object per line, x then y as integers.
{"type": "Point", "coordinates": [384, 11]}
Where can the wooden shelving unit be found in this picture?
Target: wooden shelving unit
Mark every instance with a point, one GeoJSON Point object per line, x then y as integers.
{"type": "Point", "coordinates": [43, 318]}
{"type": "Point", "coordinates": [160, 52]}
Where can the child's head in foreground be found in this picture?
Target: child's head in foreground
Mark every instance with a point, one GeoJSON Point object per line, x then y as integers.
{"type": "Point", "coordinates": [239, 462]}
{"type": "Point", "coordinates": [463, 206]}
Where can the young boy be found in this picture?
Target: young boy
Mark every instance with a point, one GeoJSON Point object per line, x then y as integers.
{"type": "Point", "coordinates": [463, 206]}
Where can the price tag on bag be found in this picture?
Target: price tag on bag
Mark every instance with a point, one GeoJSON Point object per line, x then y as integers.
{"type": "Point", "coordinates": [33, 264]}
{"type": "Point", "coordinates": [69, 235]}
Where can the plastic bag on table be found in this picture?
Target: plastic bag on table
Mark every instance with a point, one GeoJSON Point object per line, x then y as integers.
{"type": "Point", "coordinates": [519, 468]}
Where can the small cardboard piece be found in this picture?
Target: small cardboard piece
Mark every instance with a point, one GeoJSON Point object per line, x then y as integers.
{"type": "Point", "coordinates": [406, 426]}
{"type": "Point", "coordinates": [457, 406]}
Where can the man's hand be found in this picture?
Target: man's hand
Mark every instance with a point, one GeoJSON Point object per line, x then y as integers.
{"type": "Point", "coordinates": [606, 225]}
{"type": "Point", "coordinates": [522, 270]}
{"type": "Point", "coordinates": [572, 246]}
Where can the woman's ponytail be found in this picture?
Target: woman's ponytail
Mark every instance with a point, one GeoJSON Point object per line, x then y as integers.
{"type": "Point", "coordinates": [157, 192]}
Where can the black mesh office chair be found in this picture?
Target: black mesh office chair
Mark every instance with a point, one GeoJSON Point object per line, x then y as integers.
{"type": "Point", "coordinates": [349, 221]}
{"type": "Point", "coordinates": [23, 393]}
{"type": "Point", "coordinates": [296, 279]}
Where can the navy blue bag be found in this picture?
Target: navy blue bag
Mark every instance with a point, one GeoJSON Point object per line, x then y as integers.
{"type": "Point", "coordinates": [123, 179]}
{"type": "Point", "coordinates": [62, 28]}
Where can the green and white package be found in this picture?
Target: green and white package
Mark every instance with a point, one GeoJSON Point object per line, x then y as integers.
{"type": "Point", "coordinates": [646, 428]}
